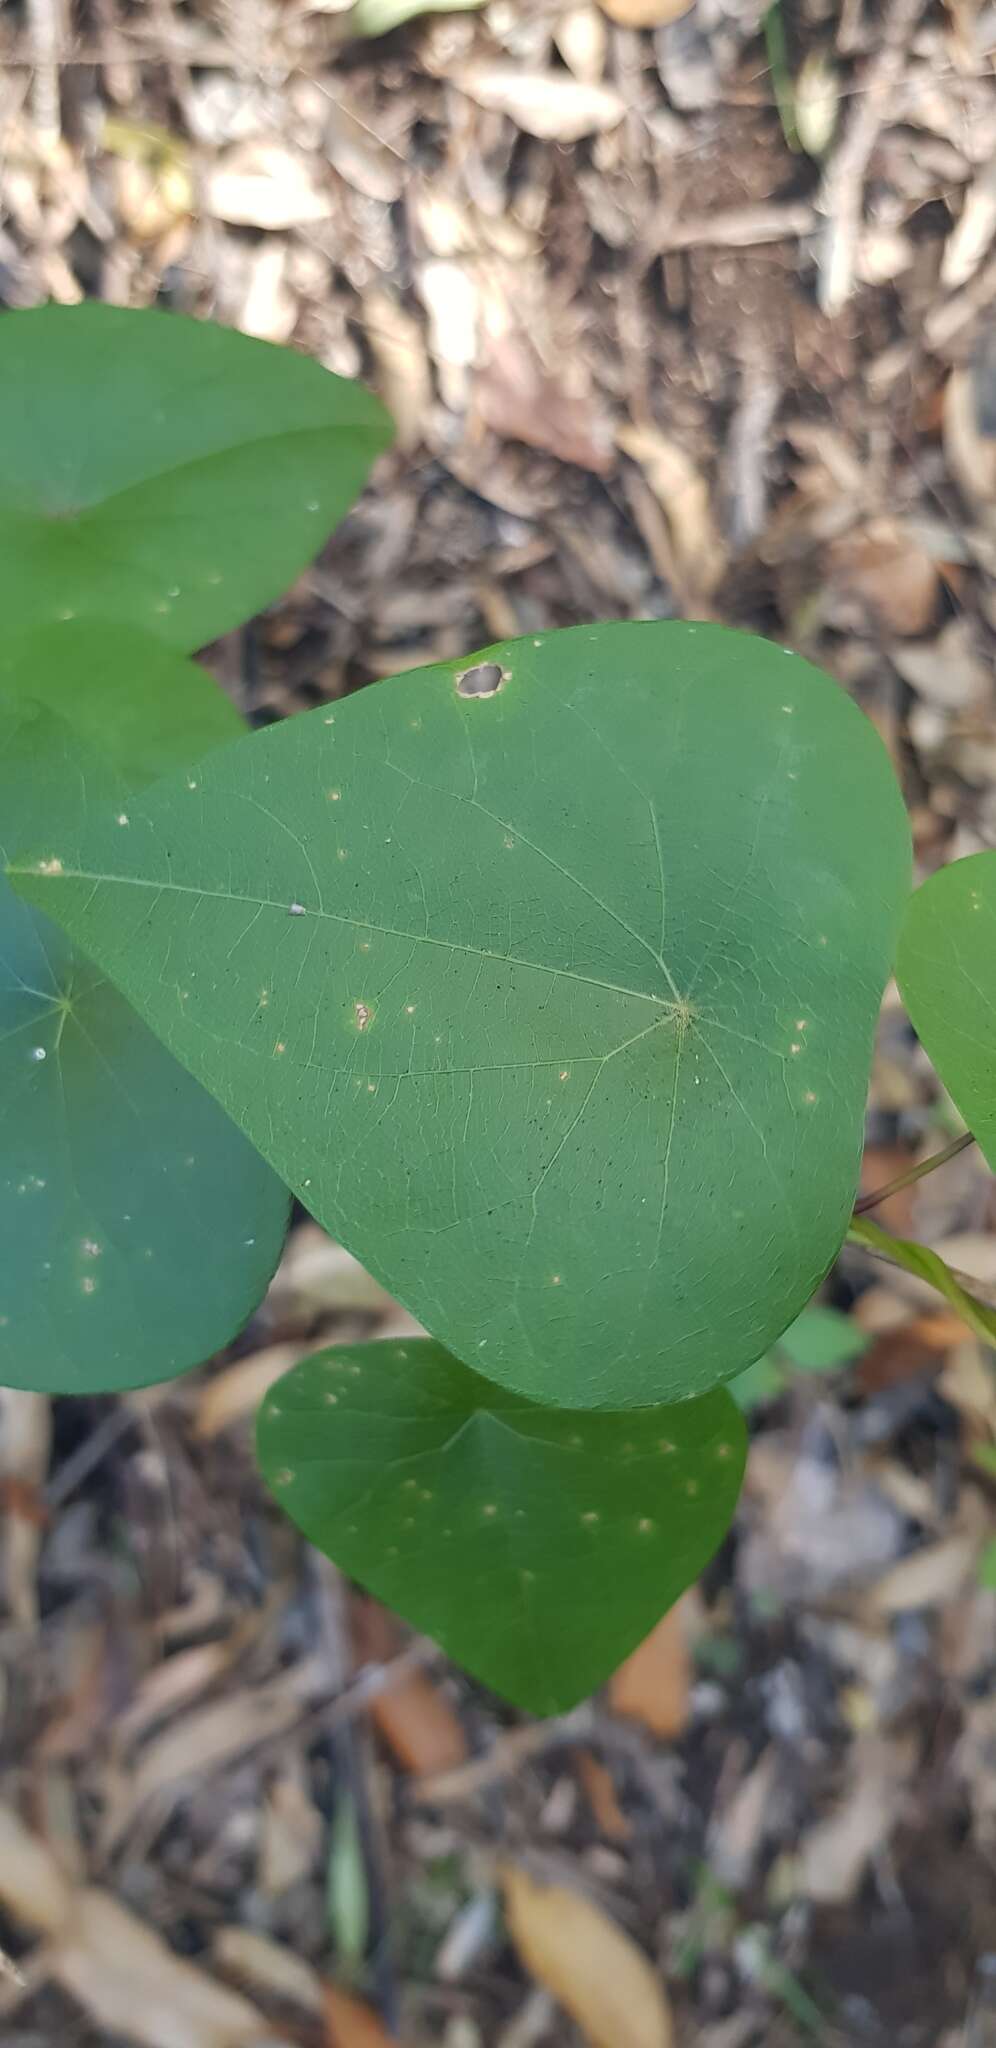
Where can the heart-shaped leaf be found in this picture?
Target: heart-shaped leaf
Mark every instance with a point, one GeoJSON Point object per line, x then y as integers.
{"type": "Point", "coordinates": [946, 969]}
{"type": "Point", "coordinates": [138, 704]}
{"type": "Point", "coordinates": [165, 472]}
{"type": "Point", "coordinates": [538, 1546]}
{"type": "Point", "coordinates": [548, 982]}
{"type": "Point", "coordinates": [139, 1226]}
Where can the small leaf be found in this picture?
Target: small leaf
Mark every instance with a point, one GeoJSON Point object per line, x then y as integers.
{"type": "Point", "coordinates": [987, 1567]}
{"type": "Point", "coordinates": [547, 979]}
{"type": "Point", "coordinates": [163, 472]}
{"type": "Point", "coordinates": [762, 1381]}
{"type": "Point", "coordinates": [347, 1891]}
{"type": "Point", "coordinates": [593, 1969]}
{"type": "Point", "coordinates": [139, 1226]}
{"type": "Point", "coordinates": [143, 707]}
{"type": "Point", "coordinates": [537, 1546]}
{"type": "Point", "coordinates": [946, 969]}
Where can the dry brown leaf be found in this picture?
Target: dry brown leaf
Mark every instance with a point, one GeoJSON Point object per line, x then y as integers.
{"type": "Point", "coordinates": [549, 104]}
{"type": "Point", "coordinates": [835, 1853]}
{"type": "Point", "coordinates": [645, 13]}
{"type": "Point", "coordinates": [134, 1987]}
{"type": "Point", "coordinates": [412, 1714]}
{"type": "Point", "coordinates": [949, 671]}
{"type": "Point", "coordinates": [890, 574]}
{"type": "Point", "coordinates": [406, 387]}
{"type": "Point", "coordinates": [351, 2024]}
{"type": "Point", "coordinates": [291, 1833]}
{"type": "Point", "coordinates": [683, 495]}
{"type": "Point", "coordinates": [33, 1889]}
{"type": "Point", "coordinates": [266, 185]}
{"type": "Point", "coordinates": [521, 400]}
{"type": "Point", "coordinates": [266, 1968]}
{"type": "Point", "coordinates": [25, 1444]}
{"type": "Point", "coordinates": [203, 1742]}
{"type": "Point", "coordinates": [234, 1394]}
{"type": "Point", "coordinates": [593, 1969]}
{"type": "Point", "coordinates": [971, 455]}
{"type": "Point", "coordinates": [600, 1791]}
{"type": "Point", "coordinates": [653, 1684]}
{"type": "Point", "coordinates": [930, 1577]}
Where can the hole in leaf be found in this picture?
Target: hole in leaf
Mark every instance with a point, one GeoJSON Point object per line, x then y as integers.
{"type": "Point", "coordinates": [482, 680]}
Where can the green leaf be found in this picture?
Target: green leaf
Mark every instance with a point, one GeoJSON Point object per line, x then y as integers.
{"type": "Point", "coordinates": [554, 1001]}
{"type": "Point", "coordinates": [946, 969]}
{"type": "Point", "coordinates": [538, 1546]}
{"type": "Point", "coordinates": [822, 1340]}
{"type": "Point", "coordinates": [140, 705]}
{"type": "Point", "coordinates": [164, 472]}
{"type": "Point", "coordinates": [987, 1567]}
{"type": "Point", "coordinates": [926, 1265]}
{"type": "Point", "coordinates": [139, 1227]}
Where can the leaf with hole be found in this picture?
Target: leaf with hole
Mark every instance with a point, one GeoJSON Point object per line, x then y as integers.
{"type": "Point", "coordinates": [537, 1545]}
{"type": "Point", "coordinates": [139, 1225]}
{"type": "Point", "coordinates": [548, 981]}
{"type": "Point", "coordinates": [165, 472]}
{"type": "Point", "coordinates": [946, 969]}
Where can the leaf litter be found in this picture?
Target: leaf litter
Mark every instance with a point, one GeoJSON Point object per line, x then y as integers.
{"type": "Point", "coordinates": [775, 405]}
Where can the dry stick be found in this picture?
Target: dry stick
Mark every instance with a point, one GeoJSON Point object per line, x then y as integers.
{"type": "Point", "coordinates": [46, 33]}
{"type": "Point", "coordinates": [843, 185]}
{"type": "Point", "coordinates": [914, 1173]}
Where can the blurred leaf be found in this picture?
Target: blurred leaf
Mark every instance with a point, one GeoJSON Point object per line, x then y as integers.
{"type": "Point", "coordinates": [351, 2024]}
{"type": "Point", "coordinates": [946, 969]}
{"type": "Point", "coordinates": [139, 1226]}
{"type": "Point", "coordinates": [987, 1567]}
{"type": "Point", "coordinates": [537, 1546]}
{"type": "Point", "coordinates": [379, 17]}
{"type": "Point", "coordinates": [164, 472]}
{"type": "Point", "coordinates": [347, 1894]}
{"type": "Point", "coordinates": [654, 1683]}
{"type": "Point", "coordinates": [504, 1056]}
{"type": "Point", "coordinates": [593, 1969]}
{"type": "Point", "coordinates": [821, 1340]}
{"type": "Point", "coordinates": [762, 1381]}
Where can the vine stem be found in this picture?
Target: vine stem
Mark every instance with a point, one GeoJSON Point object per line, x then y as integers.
{"type": "Point", "coordinates": [914, 1173]}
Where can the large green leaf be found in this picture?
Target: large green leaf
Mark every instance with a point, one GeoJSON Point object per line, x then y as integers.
{"type": "Point", "coordinates": [165, 472]}
{"type": "Point", "coordinates": [538, 1546]}
{"type": "Point", "coordinates": [140, 705]}
{"type": "Point", "coordinates": [553, 1001]}
{"type": "Point", "coordinates": [946, 970]}
{"type": "Point", "coordinates": [138, 1227]}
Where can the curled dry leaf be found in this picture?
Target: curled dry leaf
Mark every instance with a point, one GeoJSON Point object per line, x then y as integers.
{"type": "Point", "coordinates": [548, 104]}
{"type": "Point", "coordinates": [592, 1968]}
{"type": "Point", "coordinates": [135, 1988]}
{"type": "Point", "coordinates": [266, 185]}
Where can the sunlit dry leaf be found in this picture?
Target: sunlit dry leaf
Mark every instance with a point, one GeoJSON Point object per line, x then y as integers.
{"type": "Point", "coordinates": [234, 1394]}
{"type": "Point", "coordinates": [653, 1684]}
{"type": "Point", "coordinates": [645, 13]}
{"type": "Point", "coordinates": [683, 494]}
{"type": "Point", "coordinates": [267, 1969]}
{"type": "Point", "coordinates": [33, 1889]}
{"type": "Point", "coordinates": [134, 1987]}
{"type": "Point", "coordinates": [972, 235]}
{"type": "Point", "coordinates": [549, 104]}
{"type": "Point", "coordinates": [405, 385]}
{"type": "Point", "coordinates": [266, 185]}
{"type": "Point", "coordinates": [316, 1275]}
{"type": "Point", "coordinates": [593, 1969]}
{"type": "Point", "coordinates": [379, 17]}
{"type": "Point", "coordinates": [582, 39]}
{"type": "Point", "coordinates": [930, 1577]}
